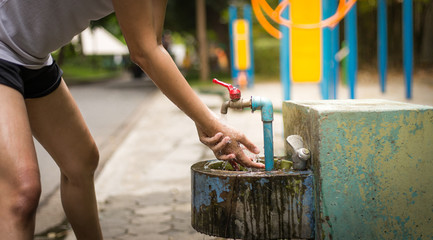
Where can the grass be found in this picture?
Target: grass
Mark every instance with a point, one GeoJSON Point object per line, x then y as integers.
{"type": "Point", "coordinates": [85, 74]}
{"type": "Point", "coordinates": [86, 70]}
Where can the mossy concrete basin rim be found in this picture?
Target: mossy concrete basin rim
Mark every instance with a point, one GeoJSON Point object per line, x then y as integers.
{"type": "Point", "coordinates": [252, 204]}
{"type": "Point", "coordinates": [280, 164]}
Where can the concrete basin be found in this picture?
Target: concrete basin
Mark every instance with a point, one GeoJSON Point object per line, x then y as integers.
{"type": "Point", "coordinates": [252, 204]}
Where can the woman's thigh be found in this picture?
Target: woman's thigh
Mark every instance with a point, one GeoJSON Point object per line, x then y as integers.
{"type": "Point", "coordinates": [58, 125]}
{"type": "Point", "coordinates": [18, 164]}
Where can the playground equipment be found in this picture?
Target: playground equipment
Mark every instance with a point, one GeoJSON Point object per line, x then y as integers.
{"type": "Point", "coordinates": [307, 53]}
{"type": "Point", "coordinates": [241, 47]}
{"type": "Point", "coordinates": [309, 35]}
{"type": "Point", "coordinates": [382, 46]}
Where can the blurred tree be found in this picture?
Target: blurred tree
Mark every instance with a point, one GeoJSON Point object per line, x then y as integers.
{"type": "Point", "coordinates": [181, 18]}
{"type": "Point", "coordinates": [186, 18]}
{"type": "Point", "coordinates": [202, 40]}
{"type": "Point", "coordinates": [110, 24]}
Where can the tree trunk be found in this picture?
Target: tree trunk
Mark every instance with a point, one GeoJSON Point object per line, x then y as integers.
{"type": "Point", "coordinates": [427, 40]}
{"type": "Point", "coordinates": [201, 37]}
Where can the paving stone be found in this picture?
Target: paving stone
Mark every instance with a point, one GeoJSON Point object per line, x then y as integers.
{"type": "Point", "coordinates": [116, 214]}
{"type": "Point", "coordinates": [148, 228]}
{"type": "Point", "coordinates": [113, 232]}
{"type": "Point", "coordinates": [182, 207]}
{"type": "Point", "coordinates": [151, 236]}
{"type": "Point", "coordinates": [154, 210]}
{"type": "Point", "coordinates": [114, 222]}
{"type": "Point", "coordinates": [143, 220]}
{"type": "Point", "coordinates": [122, 201]}
{"type": "Point", "coordinates": [156, 198]}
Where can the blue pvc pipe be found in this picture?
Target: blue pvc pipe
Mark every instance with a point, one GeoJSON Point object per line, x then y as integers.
{"type": "Point", "coordinates": [269, 146]}
{"type": "Point", "coordinates": [285, 57]}
{"type": "Point", "coordinates": [352, 43]}
{"type": "Point", "coordinates": [408, 45]}
{"type": "Point", "coordinates": [265, 105]}
{"type": "Point", "coordinates": [382, 42]}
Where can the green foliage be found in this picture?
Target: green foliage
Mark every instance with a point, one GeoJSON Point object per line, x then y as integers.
{"type": "Point", "coordinates": [81, 69]}
{"type": "Point", "coordinates": [193, 77]}
{"type": "Point", "coordinates": [266, 56]}
{"type": "Point", "coordinates": [111, 25]}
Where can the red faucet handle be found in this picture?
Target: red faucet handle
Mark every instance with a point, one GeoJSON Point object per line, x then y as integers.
{"type": "Point", "coordinates": [235, 93]}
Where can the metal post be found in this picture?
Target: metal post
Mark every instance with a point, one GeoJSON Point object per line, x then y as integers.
{"type": "Point", "coordinates": [285, 57]}
{"type": "Point", "coordinates": [250, 71]}
{"type": "Point", "coordinates": [382, 42]}
{"type": "Point", "coordinates": [232, 18]}
{"type": "Point", "coordinates": [408, 45]}
{"type": "Point", "coordinates": [335, 48]}
{"type": "Point", "coordinates": [352, 58]}
{"type": "Point", "coordinates": [328, 77]}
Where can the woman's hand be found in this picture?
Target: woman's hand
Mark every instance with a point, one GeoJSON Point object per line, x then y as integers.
{"type": "Point", "coordinates": [226, 145]}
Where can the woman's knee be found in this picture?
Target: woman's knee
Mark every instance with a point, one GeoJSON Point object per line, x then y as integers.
{"type": "Point", "coordinates": [84, 165]}
{"type": "Point", "coordinates": [25, 196]}
{"type": "Point", "coordinates": [90, 160]}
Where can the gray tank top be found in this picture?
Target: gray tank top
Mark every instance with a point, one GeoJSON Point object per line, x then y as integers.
{"type": "Point", "coordinates": [31, 29]}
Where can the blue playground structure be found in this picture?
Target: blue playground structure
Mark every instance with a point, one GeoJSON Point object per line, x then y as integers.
{"type": "Point", "coordinates": [329, 81]}
{"type": "Point", "coordinates": [330, 42]}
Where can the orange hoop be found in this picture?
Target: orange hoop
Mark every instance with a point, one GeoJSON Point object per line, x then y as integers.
{"type": "Point", "coordinates": [275, 15]}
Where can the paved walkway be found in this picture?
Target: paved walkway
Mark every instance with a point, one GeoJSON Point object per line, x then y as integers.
{"type": "Point", "coordinates": [144, 190]}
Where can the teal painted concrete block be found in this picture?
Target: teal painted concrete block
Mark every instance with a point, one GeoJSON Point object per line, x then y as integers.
{"type": "Point", "coordinates": [373, 166]}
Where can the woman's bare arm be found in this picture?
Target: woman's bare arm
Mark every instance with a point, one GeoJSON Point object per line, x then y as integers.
{"type": "Point", "coordinates": [141, 22]}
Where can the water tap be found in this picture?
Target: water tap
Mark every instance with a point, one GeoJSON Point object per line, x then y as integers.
{"type": "Point", "coordinates": [300, 154]}
{"type": "Point", "coordinates": [235, 98]}
{"type": "Point", "coordinates": [255, 103]}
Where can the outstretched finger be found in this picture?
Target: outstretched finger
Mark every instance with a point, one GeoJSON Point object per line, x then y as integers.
{"type": "Point", "coordinates": [221, 145]}
{"type": "Point", "coordinates": [210, 141]}
{"type": "Point", "coordinates": [226, 157]}
{"type": "Point", "coordinates": [245, 161]}
{"type": "Point", "coordinates": [249, 145]}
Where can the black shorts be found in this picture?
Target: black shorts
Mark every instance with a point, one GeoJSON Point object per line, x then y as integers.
{"type": "Point", "coordinates": [29, 82]}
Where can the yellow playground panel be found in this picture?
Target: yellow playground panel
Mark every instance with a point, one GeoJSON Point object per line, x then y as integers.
{"type": "Point", "coordinates": [241, 44]}
{"type": "Point", "coordinates": [305, 57]}
{"type": "Point", "coordinates": [305, 25]}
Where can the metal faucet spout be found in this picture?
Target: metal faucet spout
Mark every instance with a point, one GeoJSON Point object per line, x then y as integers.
{"type": "Point", "coordinates": [225, 106]}
{"type": "Point", "coordinates": [236, 104]}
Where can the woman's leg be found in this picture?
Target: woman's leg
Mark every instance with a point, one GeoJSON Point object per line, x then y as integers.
{"type": "Point", "coordinates": [20, 186]}
{"type": "Point", "coordinates": [58, 125]}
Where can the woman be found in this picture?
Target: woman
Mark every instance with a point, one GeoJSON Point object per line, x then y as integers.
{"type": "Point", "coordinates": [35, 100]}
